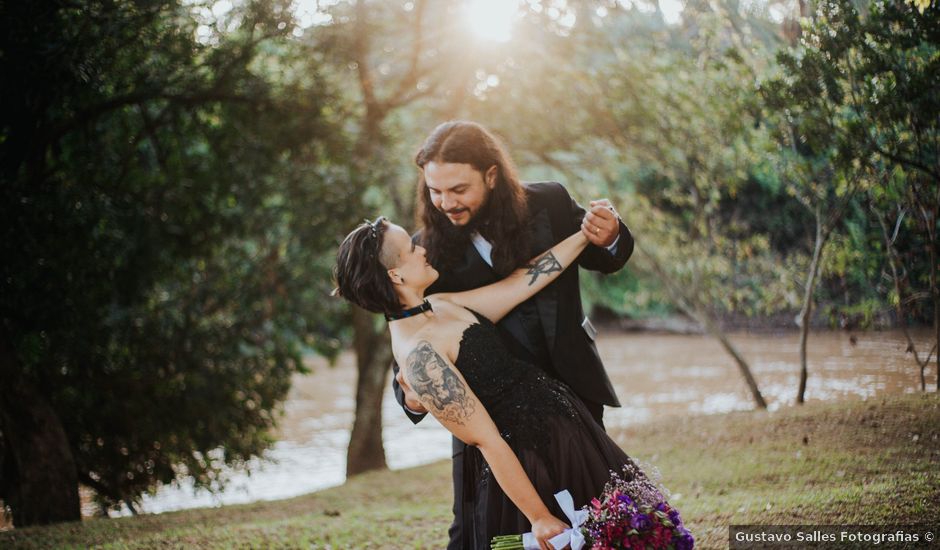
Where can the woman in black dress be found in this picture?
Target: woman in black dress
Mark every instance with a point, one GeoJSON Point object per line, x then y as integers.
{"type": "Point", "coordinates": [532, 437]}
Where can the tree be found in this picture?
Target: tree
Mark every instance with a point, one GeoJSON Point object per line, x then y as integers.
{"type": "Point", "coordinates": [662, 124]}
{"type": "Point", "coordinates": [411, 65]}
{"type": "Point", "coordinates": [860, 88]}
{"type": "Point", "coordinates": [353, 41]}
{"type": "Point", "coordinates": [889, 207]}
{"type": "Point", "coordinates": [162, 243]}
{"type": "Point", "coordinates": [812, 174]}
{"type": "Point", "coordinates": [892, 60]}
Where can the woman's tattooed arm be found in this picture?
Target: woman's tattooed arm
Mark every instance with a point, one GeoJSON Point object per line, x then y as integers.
{"type": "Point", "coordinates": [442, 389]}
{"type": "Point", "coordinates": [438, 385]}
{"type": "Point", "coordinates": [495, 300]}
{"type": "Point", "coordinates": [544, 265]}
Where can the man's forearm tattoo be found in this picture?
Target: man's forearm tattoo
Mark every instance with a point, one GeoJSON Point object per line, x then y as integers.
{"type": "Point", "coordinates": [437, 383]}
{"type": "Point", "coordinates": [543, 266]}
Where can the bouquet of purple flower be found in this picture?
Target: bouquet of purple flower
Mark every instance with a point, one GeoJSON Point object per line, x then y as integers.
{"type": "Point", "coordinates": [631, 513]}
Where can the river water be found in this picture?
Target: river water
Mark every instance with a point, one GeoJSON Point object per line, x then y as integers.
{"type": "Point", "coordinates": [654, 375]}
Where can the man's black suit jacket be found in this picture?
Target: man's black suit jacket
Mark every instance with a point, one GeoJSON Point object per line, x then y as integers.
{"type": "Point", "coordinates": [553, 216]}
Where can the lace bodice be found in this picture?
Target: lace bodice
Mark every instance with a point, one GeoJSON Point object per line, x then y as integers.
{"type": "Point", "coordinates": [520, 398]}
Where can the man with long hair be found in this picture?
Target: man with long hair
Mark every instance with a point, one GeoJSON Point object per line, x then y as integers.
{"type": "Point", "coordinates": [478, 224]}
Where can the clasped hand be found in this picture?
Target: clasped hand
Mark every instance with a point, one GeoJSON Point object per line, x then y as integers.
{"type": "Point", "coordinates": [601, 224]}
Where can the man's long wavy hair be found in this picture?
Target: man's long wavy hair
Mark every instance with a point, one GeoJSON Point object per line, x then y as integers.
{"type": "Point", "coordinates": [502, 219]}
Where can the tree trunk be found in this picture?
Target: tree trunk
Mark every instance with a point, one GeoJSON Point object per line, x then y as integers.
{"type": "Point", "coordinates": [928, 207]}
{"type": "Point", "coordinates": [935, 295]}
{"type": "Point", "coordinates": [743, 366]}
{"type": "Point", "coordinates": [373, 357]}
{"type": "Point", "coordinates": [807, 312]}
{"type": "Point", "coordinates": [893, 262]}
{"type": "Point", "coordinates": [43, 483]}
{"type": "Point", "coordinates": [713, 330]}
{"type": "Point", "coordinates": [936, 329]}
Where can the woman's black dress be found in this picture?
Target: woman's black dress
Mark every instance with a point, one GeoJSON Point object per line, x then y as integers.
{"type": "Point", "coordinates": [557, 441]}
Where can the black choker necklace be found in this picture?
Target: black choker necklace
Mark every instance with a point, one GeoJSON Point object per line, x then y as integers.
{"type": "Point", "coordinates": [410, 312]}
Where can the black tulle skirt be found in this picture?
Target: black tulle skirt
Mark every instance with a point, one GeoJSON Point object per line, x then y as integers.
{"type": "Point", "coordinates": [578, 456]}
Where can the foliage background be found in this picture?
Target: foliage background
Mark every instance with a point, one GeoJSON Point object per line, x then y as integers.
{"type": "Point", "coordinates": [177, 174]}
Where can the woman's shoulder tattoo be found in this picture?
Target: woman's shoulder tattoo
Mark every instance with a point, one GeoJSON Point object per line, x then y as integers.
{"type": "Point", "coordinates": [438, 384]}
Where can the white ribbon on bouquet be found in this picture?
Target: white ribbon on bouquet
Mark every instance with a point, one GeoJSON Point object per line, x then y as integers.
{"type": "Point", "coordinates": [572, 536]}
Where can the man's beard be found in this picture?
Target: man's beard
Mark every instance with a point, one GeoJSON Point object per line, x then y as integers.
{"type": "Point", "coordinates": [478, 223]}
{"type": "Point", "coordinates": [455, 238]}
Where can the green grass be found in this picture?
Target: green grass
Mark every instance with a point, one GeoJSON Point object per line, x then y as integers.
{"type": "Point", "coordinates": [836, 463]}
{"type": "Point", "coordinates": [839, 463]}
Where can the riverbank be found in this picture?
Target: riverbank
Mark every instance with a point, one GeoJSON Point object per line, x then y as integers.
{"type": "Point", "coordinates": [869, 462]}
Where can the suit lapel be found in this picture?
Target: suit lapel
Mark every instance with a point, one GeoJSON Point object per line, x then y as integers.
{"type": "Point", "coordinates": [546, 301]}
{"type": "Point", "coordinates": [475, 272]}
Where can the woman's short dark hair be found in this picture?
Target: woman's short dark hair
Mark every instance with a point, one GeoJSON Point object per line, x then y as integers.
{"type": "Point", "coordinates": [359, 273]}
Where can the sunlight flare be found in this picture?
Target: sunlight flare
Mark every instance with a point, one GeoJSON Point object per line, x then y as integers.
{"type": "Point", "coordinates": [491, 20]}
